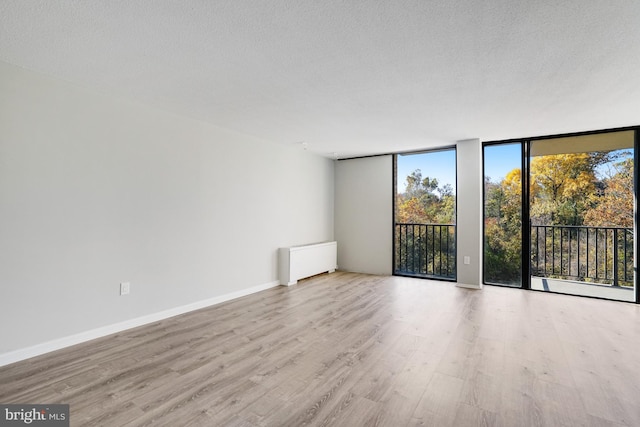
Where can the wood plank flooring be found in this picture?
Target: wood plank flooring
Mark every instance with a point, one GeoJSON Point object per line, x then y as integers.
{"type": "Point", "coordinates": [355, 350]}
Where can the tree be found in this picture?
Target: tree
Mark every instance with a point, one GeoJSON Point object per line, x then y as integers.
{"type": "Point", "coordinates": [564, 190]}
{"type": "Point", "coordinates": [502, 253]}
{"type": "Point", "coordinates": [615, 205]}
{"type": "Point", "coordinates": [411, 211]}
{"type": "Point", "coordinates": [503, 205]}
{"type": "Point", "coordinates": [417, 187]}
{"type": "Point", "coordinates": [424, 202]}
{"type": "Point", "coordinates": [560, 186]}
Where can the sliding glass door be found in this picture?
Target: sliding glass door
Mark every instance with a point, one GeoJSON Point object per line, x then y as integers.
{"type": "Point", "coordinates": [559, 214]}
{"type": "Point", "coordinates": [581, 193]}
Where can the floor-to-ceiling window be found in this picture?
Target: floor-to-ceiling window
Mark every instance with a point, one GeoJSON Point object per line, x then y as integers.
{"type": "Point", "coordinates": [581, 193]}
{"type": "Point", "coordinates": [559, 214]}
{"type": "Point", "coordinates": [425, 214]}
{"type": "Point", "coordinates": [503, 214]}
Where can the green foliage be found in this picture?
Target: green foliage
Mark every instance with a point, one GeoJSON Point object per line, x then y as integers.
{"type": "Point", "coordinates": [425, 249]}
{"type": "Point", "coordinates": [564, 190]}
{"type": "Point", "coordinates": [560, 185]}
{"type": "Point", "coordinates": [614, 207]}
{"type": "Point", "coordinates": [425, 202]}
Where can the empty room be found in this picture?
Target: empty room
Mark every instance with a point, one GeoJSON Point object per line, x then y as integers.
{"type": "Point", "coordinates": [319, 213]}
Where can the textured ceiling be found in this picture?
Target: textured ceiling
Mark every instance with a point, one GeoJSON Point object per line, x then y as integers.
{"type": "Point", "coordinates": [354, 77]}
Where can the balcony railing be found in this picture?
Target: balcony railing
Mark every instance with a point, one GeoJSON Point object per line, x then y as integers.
{"type": "Point", "coordinates": [426, 250]}
{"type": "Point", "coordinates": [602, 255]}
{"type": "Point", "coordinates": [586, 254]}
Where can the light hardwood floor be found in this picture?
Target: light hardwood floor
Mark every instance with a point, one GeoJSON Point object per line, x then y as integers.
{"type": "Point", "coordinates": [356, 350]}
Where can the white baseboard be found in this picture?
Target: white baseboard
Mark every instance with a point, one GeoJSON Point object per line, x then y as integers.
{"type": "Point", "coordinates": [57, 344]}
{"type": "Point", "coordinates": [463, 285]}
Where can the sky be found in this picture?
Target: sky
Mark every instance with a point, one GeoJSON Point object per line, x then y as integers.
{"type": "Point", "coordinates": [435, 164]}
{"type": "Point", "coordinates": [499, 160]}
{"type": "Point", "coordinates": [502, 159]}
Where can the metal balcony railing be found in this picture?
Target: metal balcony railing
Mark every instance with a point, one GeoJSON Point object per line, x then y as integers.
{"type": "Point", "coordinates": [601, 255]}
{"type": "Point", "coordinates": [586, 254]}
{"type": "Point", "coordinates": [426, 250]}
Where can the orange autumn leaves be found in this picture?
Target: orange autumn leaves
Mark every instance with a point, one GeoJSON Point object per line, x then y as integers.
{"type": "Point", "coordinates": [565, 190]}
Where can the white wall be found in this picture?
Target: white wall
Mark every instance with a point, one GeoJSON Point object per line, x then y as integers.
{"type": "Point", "coordinates": [469, 212]}
{"type": "Point", "coordinates": [96, 190]}
{"type": "Point", "coordinates": [364, 214]}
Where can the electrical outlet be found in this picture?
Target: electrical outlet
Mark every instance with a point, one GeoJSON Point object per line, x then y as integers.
{"type": "Point", "coordinates": [467, 260]}
{"type": "Point", "coordinates": [125, 287]}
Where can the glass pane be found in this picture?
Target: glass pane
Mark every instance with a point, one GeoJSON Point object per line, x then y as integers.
{"type": "Point", "coordinates": [425, 231]}
{"type": "Point", "coordinates": [503, 214]}
{"type": "Point", "coordinates": [581, 193]}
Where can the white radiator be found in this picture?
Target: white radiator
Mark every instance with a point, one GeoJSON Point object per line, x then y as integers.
{"type": "Point", "coordinates": [298, 262]}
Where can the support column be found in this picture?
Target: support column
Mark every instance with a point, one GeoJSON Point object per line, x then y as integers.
{"type": "Point", "coordinates": [469, 213]}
